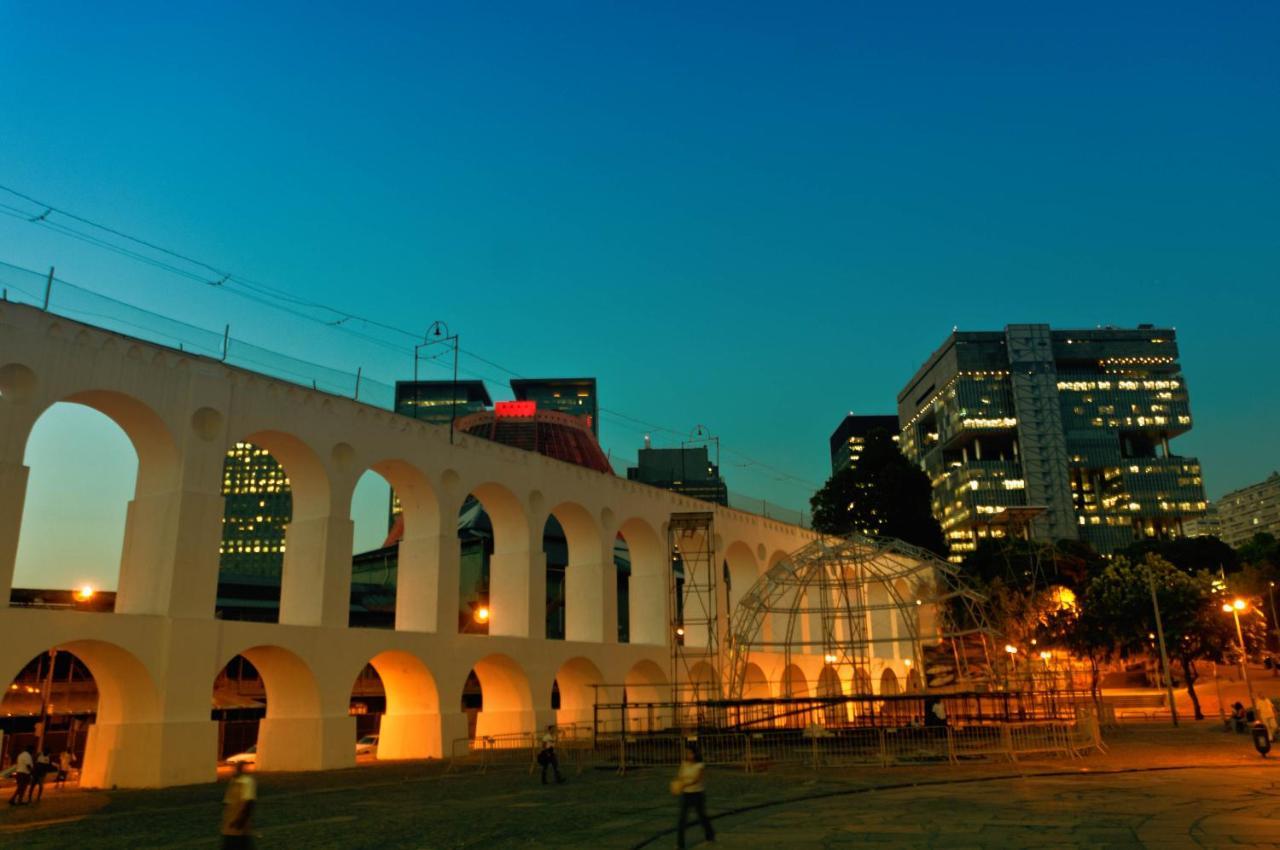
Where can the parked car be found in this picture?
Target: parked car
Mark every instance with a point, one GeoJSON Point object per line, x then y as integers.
{"type": "Point", "coordinates": [249, 756]}
{"type": "Point", "coordinates": [367, 746]}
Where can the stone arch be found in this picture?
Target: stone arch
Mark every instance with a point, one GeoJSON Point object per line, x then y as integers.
{"type": "Point", "coordinates": [829, 682]}
{"type": "Point", "coordinates": [128, 706]}
{"type": "Point", "coordinates": [888, 682]}
{"type": "Point", "coordinates": [577, 696]}
{"type": "Point", "coordinates": [755, 686]}
{"type": "Point", "coordinates": [516, 593]}
{"type": "Point", "coordinates": [315, 580]}
{"type": "Point", "coordinates": [754, 683]}
{"type": "Point", "coordinates": [585, 574]}
{"type": "Point", "coordinates": [649, 619]}
{"type": "Point", "coordinates": [703, 682]}
{"type": "Point", "coordinates": [743, 569]}
{"type": "Point", "coordinates": [291, 736]}
{"type": "Point", "coordinates": [410, 727]}
{"type": "Point", "coordinates": [416, 534]}
{"type": "Point", "coordinates": [794, 684]}
{"type": "Point", "coordinates": [647, 686]}
{"type": "Point", "coordinates": [914, 685]}
{"type": "Point", "coordinates": [144, 566]}
{"type": "Point", "coordinates": [508, 699]}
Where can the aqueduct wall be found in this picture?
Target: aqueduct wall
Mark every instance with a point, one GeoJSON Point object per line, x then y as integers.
{"type": "Point", "coordinates": [156, 656]}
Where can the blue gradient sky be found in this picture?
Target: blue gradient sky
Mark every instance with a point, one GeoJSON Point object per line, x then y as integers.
{"type": "Point", "coordinates": [752, 217]}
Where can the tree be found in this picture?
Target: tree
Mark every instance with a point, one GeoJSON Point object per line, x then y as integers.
{"type": "Point", "coordinates": [882, 495]}
{"type": "Point", "coordinates": [1118, 602]}
{"type": "Point", "coordinates": [1189, 554]}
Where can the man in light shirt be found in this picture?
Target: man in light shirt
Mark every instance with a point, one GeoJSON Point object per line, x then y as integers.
{"type": "Point", "coordinates": [237, 810]}
{"type": "Point", "coordinates": [22, 774]}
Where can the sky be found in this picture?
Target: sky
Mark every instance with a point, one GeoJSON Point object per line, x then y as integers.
{"type": "Point", "coordinates": [752, 217]}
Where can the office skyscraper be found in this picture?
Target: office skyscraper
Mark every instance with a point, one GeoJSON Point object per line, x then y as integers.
{"type": "Point", "coordinates": [849, 437]}
{"type": "Point", "coordinates": [1073, 425]}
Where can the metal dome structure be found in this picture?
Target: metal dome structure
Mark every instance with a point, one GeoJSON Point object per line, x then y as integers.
{"type": "Point", "coordinates": [855, 599]}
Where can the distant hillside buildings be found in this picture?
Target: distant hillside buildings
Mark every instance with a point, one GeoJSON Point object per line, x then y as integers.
{"type": "Point", "coordinates": [1240, 514]}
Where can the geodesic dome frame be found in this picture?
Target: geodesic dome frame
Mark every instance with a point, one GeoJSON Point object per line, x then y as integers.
{"type": "Point", "coordinates": [822, 601]}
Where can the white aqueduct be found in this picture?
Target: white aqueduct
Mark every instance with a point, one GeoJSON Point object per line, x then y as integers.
{"type": "Point", "coordinates": [156, 657]}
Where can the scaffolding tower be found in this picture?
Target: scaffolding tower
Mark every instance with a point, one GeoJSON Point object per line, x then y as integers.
{"type": "Point", "coordinates": [693, 603]}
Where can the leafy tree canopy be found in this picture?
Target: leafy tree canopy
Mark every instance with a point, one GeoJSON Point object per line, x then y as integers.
{"type": "Point", "coordinates": [883, 495]}
{"type": "Point", "coordinates": [1188, 554]}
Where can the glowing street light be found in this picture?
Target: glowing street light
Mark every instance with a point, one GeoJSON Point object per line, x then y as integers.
{"type": "Point", "coordinates": [1011, 649]}
{"type": "Point", "coordinates": [829, 658]}
{"type": "Point", "coordinates": [482, 614]}
{"type": "Point", "coordinates": [1234, 607]}
{"type": "Point", "coordinates": [85, 593]}
{"type": "Point", "coordinates": [1045, 655]}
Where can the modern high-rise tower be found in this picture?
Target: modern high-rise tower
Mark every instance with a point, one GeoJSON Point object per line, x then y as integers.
{"type": "Point", "coordinates": [1074, 425]}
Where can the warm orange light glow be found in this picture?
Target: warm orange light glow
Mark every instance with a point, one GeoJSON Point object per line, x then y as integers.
{"type": "Point", "coordinates": [830, 659]}
{"type": "Point", "coordinates": [907, 663]}
{"type": "Point", "coordinates": [1045, 654]}
{"type": "Point", "coordinates": [482, 614]}
{"type": "Point", "coordinates": [1239, 604]}
{"type": "Point", "coordinates": [680, 631]}
{"type": "Point", "coordinates": [1226, 606]}
{"type": "Point", "coordinates": [1064, 598]}
{"type": "Point", "coordinates": [1010, 648]}
{"type": "Point", "coordinates": [85, 593]}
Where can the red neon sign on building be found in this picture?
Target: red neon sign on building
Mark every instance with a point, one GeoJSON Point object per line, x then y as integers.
{"type": "Point", "coordinates": [515, 409]}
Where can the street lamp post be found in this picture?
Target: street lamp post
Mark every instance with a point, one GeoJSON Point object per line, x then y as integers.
{"type": "Point", "coordinates": [1235, 607]}
{"type": "Point", "coordinates": [437, 334]}
{"type": "Point", "coordinates": [1164, 655]}
{"type": "Point", "coordinates": [1275, 624]}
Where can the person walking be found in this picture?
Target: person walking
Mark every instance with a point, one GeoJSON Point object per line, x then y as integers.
{"type": "Point", "coordinates": [689, 784]}
{"type": "Point", "coordinates": [39, 772]}
{"type": "Point", "coordinates": [22, 775]}
{"type": "Point", "coordinates": [237, 810]}
{"type": "Point", "coordinates": [547, 758]}
{"type": "Point", "coordinates": [65, 760]}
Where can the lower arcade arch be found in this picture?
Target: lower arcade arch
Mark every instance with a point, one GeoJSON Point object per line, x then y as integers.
{"type": "Point", "coordinates": [277, 688]}
{"type": "Point", "coordinates": [575, 681]}
{"type": "Point", "coordinates": [502, 700]}
{"type": "Point", "coordinates": [645, 693]}
{"type": "Point", "coordinates": [90, 698]}
{"type": "Point", "coordinates": [409, 727]}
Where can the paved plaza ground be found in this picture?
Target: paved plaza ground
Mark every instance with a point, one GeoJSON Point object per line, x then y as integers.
{"type": "Point", "coordinates": [1157, 787]}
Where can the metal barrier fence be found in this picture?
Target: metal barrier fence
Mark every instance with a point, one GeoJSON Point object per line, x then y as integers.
{"type": "Point", "coordinates": [816, 747]}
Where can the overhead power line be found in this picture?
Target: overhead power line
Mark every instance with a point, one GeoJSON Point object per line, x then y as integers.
{"type": "Point", "coordinates": [216, 277]}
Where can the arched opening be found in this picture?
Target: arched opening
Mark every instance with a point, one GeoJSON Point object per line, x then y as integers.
{"type": "Point", "coordinates": [622, 587]}
{"type": "Point", "coordinates": [267, 702]}
{"type": "Point", "coordinates": [833, 714]}
{"type": "Point", "coordinates": [755, 686]}
{"type": "Point", "coordinates": [406, 723]}
{"type": "Point", "coordinates": [888, 683]}
{"type": "Point", "coordinates": [274, 531]}
{"type": "Point", "coordinates": [575, 590]}
{"type": "Point", "coordinates": [395, 557]}
{"type": "Point", "coordinates": [99, 531]}
{"type": "Point", "coordinates": [575, 712]}
{"type": "Point", "coordinates": [646, 687]}
{"type": "Point", "coordinates": [740, 571]}
{"type": "Point", "coordinates": [913, 681]}
{"type": "Point", "coordinates": [794, 686]}
{"type": "Point", "coordinates": [891, 709]}
{"type": "Point", "coordinates": [494, 580]}
{"type": "Point", "coordinates": [647, 619]}
{"type": "Point", "coordinates": [505, 700]}
{"type": "Point", "coordinates": [87, 698]}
